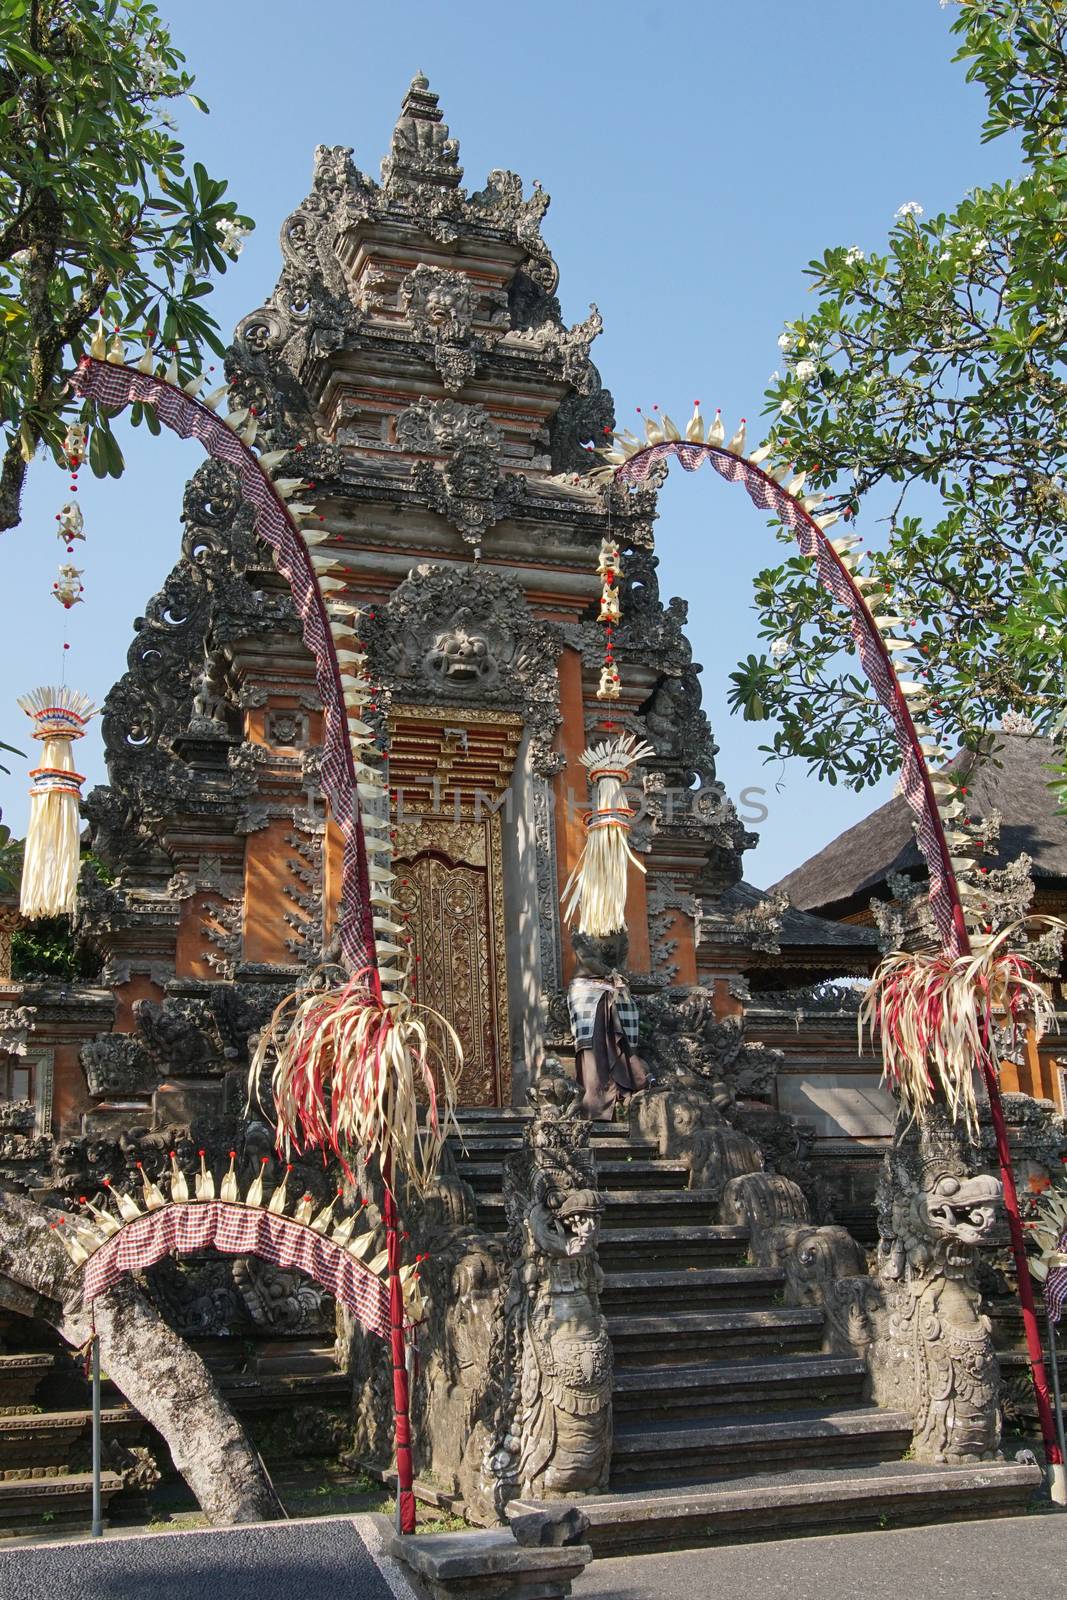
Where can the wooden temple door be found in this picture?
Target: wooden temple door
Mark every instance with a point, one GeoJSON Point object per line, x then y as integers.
{"type": "Point", "coordinates": [449, 773]}
{"type": "Point", "coordinates": [447, 898]}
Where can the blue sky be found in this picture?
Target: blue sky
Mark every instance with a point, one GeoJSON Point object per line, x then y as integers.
{"type": "Point", "coordinates": [697, 159]}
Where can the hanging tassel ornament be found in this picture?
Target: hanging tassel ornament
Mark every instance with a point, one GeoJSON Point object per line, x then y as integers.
{"type": "Point", "coordinates": [596, 889]}
{"type": "Point", "coordinates": [608, 568]}
{"type": "Point", "coordinates": [53, 856]}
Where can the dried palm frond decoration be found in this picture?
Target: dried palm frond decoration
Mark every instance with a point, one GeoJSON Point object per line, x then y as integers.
{"type": "Point", "coordinates": [596, 889]}
{"type": "Point", "coordinates": [937, 1017]}
{"type": "Point", "coordinates": [53, 853]}
{"type": "Point", "coordinates": [350, 1072]}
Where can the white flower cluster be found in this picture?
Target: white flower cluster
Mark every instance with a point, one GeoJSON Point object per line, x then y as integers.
{"type": "Point", "coordinates": [153, 71]}
{"type": "Point", "coordinates": [853, 255]}
{"type": "Point", "coordinates": [231, 235]}
{"type": "Point", "coordinates": [779, 648]}
{"type": "Point", "coordinates": [1017, 722]}
{"type": "Point", "coordinates": [805, 371]}
{"type": "Point", "coordinates": [910, 208]}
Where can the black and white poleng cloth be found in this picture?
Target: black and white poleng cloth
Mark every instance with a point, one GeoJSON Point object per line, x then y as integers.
{"type": "Point", "coordinates": [1056, 1282]}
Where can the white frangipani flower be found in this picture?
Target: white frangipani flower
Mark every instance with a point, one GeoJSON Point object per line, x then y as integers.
{"type": "Point", "coordinates": [910, 208]}
{"type": "Point", "coordinates": [853, 255]}
{"type": "Point", "coordinates": [231, 235]}
{"type": "Point", "coordinates": [786, 342]}
{"type": "Point", "coordinates": [787, 407]}
{"type": "Point", "coordinates": [780, 647]}
{"type": "Point", "coordinates": [805, 371]}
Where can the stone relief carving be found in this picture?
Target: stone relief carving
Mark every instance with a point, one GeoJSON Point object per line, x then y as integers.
{"type": "Point", "coordinates": [439, 305]}
{"type": "Point", "coordinates": [435, 427]}
{"type": "Point", "coordinates": [16, 1025]}
{"type": "Point", "coordinates": [934, 1353]}
{"type": "Point", "coordinates": [554, 1438]}
{"type": "Point", "coordinates": [471, 491]}
{"type": "Point", "coordinates": [117, 1064]}
{"type": "Point", "coordinates": [467, 635]}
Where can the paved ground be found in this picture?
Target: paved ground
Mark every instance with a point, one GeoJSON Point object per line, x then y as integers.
{"type": "Point", "coordinates": [323, 1558]}
{"type": "Point", "coordinates": [994, 1560]}
{"type": "Point", "coordinates": [340, 1558]}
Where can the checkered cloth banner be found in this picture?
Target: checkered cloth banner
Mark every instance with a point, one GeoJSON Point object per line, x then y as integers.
{"type": "Point", "coordinates": [583, 997]}
{"type": "Point", "coordinates": [236, 1230]}
{"type": "Point", "coordinates": [116, 386]}
{"type": "Point", "coordinates": [1056, 1284]}
{"type": "Point", "coordinates": [874, 657]}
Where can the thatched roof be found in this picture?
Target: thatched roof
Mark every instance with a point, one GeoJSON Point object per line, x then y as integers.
{"type": "Point", "coordinates": [1013, 779]}
{"type": "Point", "coordinates": [799, 929]}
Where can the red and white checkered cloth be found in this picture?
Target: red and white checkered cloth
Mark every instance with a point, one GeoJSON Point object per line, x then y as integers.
{"type": "Point", "coordinates": [237, 1230]}
{"type": "Point", "coordinates": [117, 386]}
{"type": "Point", "coordinates": [770, 496]}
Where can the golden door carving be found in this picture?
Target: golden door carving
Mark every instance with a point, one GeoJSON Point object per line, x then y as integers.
{"type": "Point", "coordinates": [449, 888]}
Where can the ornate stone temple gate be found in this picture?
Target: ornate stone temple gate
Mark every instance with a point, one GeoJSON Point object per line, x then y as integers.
{"type": "Point", "coordinates": [414, 360]}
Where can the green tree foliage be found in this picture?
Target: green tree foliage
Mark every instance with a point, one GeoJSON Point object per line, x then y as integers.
{"type": "Point", "coordinates": [932, 375]}
{"type": "Point", "coordinates": [98, 216]}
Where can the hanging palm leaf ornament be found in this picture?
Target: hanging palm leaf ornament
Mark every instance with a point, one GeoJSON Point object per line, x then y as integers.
{"type": "Point", "coordinates": [936, 1015]}
{"type": "Point", "coordinates": [350, 1061]}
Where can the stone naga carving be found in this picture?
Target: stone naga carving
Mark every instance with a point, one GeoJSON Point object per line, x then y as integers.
{"type": "Point", "coordinates": [934, 1354]}
{"type": "Point", "coordinates": [551, 1436]}
{"type": "Point", "coordinates": [823, 1266]}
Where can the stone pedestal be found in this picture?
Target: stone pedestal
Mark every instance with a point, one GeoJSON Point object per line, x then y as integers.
{"type": "Point", "coordinates": [487, 1564]}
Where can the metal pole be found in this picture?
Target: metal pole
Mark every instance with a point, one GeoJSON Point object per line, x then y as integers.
{"type": "Point", "coordinates": [98, 1517]}
{"type": "Point", "coordinates": [1056, 1388]}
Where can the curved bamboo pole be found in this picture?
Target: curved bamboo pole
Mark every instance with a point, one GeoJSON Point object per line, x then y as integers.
{"type": "Point", "coordinates": [944, 888]}
{"type": "Point", "coordinates": [116, 385]}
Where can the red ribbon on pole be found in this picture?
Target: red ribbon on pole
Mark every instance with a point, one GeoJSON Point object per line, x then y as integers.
{"type": "Point", "coordinates": [401, 1392]}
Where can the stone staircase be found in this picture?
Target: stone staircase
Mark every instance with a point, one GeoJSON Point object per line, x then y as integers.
{"type": "Point", "coordinates": [45, 1420]}
{"type": "Point", "coordinates": [731, 1424]}
{"type": "Point", "coordinates": [45, 1437]}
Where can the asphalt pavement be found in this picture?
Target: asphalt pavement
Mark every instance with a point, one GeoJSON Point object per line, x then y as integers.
{"type": "Point", "coordinates": [322, 1558]}
{"type": "Point", "coordinates": [341, 1558]}
{"type": "Point", "coordinates": [1000, 1559]}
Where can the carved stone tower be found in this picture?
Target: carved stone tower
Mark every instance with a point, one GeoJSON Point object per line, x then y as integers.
{"type": "Point", "coordinates": [413, 352]}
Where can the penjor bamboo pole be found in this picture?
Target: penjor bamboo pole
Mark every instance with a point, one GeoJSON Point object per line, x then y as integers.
{"type": "Point", "coordinates": [405, 1495]}
{"type": "Point", "coordinates": [1057, 1477]}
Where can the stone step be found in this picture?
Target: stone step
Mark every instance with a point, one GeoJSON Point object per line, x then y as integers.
{"type": "Point", "coordinates": [690, 1288]}
{"type": "Point", "coordinates": [491, 1121]}
{"type": "Point", "coordinates": [664, 1394]}
{"type": "Point", "coordinates": [630, 1208]}
{"type": "Point", "coordinates": [646, 1455]}
{"type": "Point", "coordinates": [20, 1375]}
{"type": "Point", "coordinates": [484, 1176]}
{"type": "Point", "coordinates": [52, 1503]}
{"type": "Point", "coordinates": [629, 1249]}
{"type": "Point", "coordinates": [684, 1338]}
{"type": "Point", "coordinates": [496, 1147]}
{"type": "Point", "coordinates": [769, 1507]}
{"type": "Point", "coordinates": [51, 1439]}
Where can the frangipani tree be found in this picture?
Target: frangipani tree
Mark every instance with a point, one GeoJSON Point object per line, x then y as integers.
{"type": "Point", "coordinates": [98, 215]}
{"type": "Point", "coordinates": [932, 372]}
